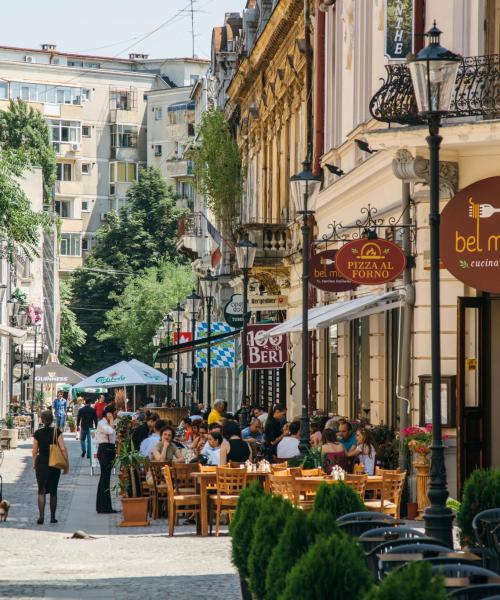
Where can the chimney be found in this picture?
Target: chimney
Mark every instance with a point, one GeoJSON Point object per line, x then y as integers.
{"type": "Point", "coordinates": [48, 47]}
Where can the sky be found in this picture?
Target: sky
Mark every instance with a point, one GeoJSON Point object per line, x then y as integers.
{"type": "Point", "coordinates": [115, 27]}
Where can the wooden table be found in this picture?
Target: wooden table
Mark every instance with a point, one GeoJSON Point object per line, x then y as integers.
{"type": "Point", "coordinates": [203, 480]}
{"type": "Point", "coordinates": [374, 483]}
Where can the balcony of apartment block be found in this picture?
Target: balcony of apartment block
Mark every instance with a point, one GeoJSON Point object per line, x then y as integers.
{"type": "Point", "coordinates": [190, 235]}
{"type": "Point", "coordinates": [69, 263]}
{"type": "Point", "coordinates": [123, 105]}
{"type": "Point", "coordinates": [272, 238]}
{"type": "Point", "coordinates": [178, 168]}
{"type": "Point", "coordinates": [67, 150]}
{"type": "Point", "coordinates": [181, 131]}
{"type": "Point", "coordinates": [68, 188]}
{"type": "Point", "coordinates": [71, 225]}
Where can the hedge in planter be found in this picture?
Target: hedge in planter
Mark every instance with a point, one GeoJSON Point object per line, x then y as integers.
{"type": "Point", "coordinates": [331, 502]}
{"type": "Point", "coordinates": [409, 583]}
{"type": "Point", "coordinates": [332, 568]}
{"type": "Point", "coordinates": [242, 525]}
{"type": "Point", "coordinates": [292, 544]}
{"type": "Point", "coordinates": [274, 512]}
{"type": "Point", "coordinates": [481, 491]}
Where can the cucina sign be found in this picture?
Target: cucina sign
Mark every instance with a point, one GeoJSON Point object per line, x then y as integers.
{"type": "Point", "coordinates": [370, 262]}
{"type": "Point", "coordinates": [470, 235]}
{"type": "Point", "coordinates": [324, 274]}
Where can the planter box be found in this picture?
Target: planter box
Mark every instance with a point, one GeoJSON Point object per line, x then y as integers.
{"type": "Point", "coordinates": [135, 512]}
{"type": "Point", "coordinates": [12, 435]}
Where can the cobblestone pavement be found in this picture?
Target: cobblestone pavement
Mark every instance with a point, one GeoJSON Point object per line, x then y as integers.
{"type": "Point", "coordinates": [119, 563]}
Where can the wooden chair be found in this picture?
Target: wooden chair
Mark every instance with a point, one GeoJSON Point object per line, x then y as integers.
{"type": "Point", "coordinates": [279, 466]}
{"type": "Point", "coordinates": [358, 483]}
{"type": "Point", "coordinates": [147, 491]}
{"type": "Point", "coordinates": [284, 486]}
{"type": "Point", "coordinates": [380, 471]}
{"type": "Point", "coordinates": [358, 469]}
{"type": "Point", "coordinates": [179, 503]}
{"type": "Point", "coordinates": [392, 488]}
{"type": "Point", "coordinates": [160, 491]}
{"type": "Point", "coordinates": [234, 464]}
{"type": "Point", "coordinates": [183, 482]}
{"type": "Point", "coordinates": [207, 468]}
{"type": "Point", "coordinates": [311, 472]}
{"type": "Point", "coordinates": [229, 484]}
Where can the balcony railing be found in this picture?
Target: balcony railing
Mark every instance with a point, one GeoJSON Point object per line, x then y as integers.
{"type": "Point", "coordinates": [272, 239]}
{"type": "Point", "coordinates": [179, 168]}
{"type": "Point", "coordinates": [190, 225]}
{"type": "Point", "coordinates": [477, 92]}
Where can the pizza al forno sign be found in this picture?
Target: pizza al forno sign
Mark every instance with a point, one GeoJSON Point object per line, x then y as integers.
{"type": "Point", "coordinates": [370, 262]}
{"type": "Point", "coordinates": [470, 235]}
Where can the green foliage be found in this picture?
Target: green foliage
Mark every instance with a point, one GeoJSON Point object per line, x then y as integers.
{"type": "Point", "coordinates": [409, 583]}
{"type": "Point", "coordinates": [274, 512]}
{"type": "Point", "coordinates": [481, 491]}
{"type": "Point", "coordinates": [21, 297]}
{"type": "Point", "coordinates": [141, 306]}
{"type": "Point", "coordinates": [332, 568]}
{"type": "Point", "coordinates": [242, 525]}
{"type": "Point", "coordinates": [129, 461]}
{"type": "Point", "coordinates": [72, 335]}
{"type": "Point", "coordinates": [217, 168]}
{"type": "Point", "coordinates": [453, 504]}
{"type": "Point", "coordinates": [292, 544]}
{"type": "Point", "coordinates": [9, 422]}
{"type": "Point", "coordinates": [331, 502]}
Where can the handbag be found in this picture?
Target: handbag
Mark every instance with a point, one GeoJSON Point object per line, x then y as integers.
{"type": "Point", "coordinates": [57, 460]}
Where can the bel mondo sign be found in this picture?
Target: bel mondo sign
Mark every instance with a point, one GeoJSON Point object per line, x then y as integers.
{"type": "Point", "coordinates": [265, 353]}
{"type": "Point", "coordinates": [370, 262]}
{"type": "Point", "coordinates": [470, 235]}
{"type": "Point", "coordinates": [324, 274]}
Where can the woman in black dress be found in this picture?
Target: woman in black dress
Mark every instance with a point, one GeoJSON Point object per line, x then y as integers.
{"type": "Point", "coordinates": [233, 448]}
{"type": "Point", "coordinates": [47, 477]}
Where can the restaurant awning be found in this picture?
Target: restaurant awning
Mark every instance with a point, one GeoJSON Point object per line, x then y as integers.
{"type": "Point", "coordinates": [324, 316]}
{"type": "Point", "coordinates": [19, 335]}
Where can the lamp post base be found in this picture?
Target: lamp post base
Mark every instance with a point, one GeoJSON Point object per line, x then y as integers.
{"type": "Point", "coordinates": [439, 524]}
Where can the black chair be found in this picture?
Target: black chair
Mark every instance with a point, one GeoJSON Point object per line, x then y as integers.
{"type": "Point", "coordinates": [449, 560]}
{"type": "Point", "coordinates": [484, 591]}
{"type": "Point", "coordinates": [415, 547]}
{"type": "Point", "coordinates": [388, 533]}
{"type": "Point", "coordinates": [486, 541]}
{"type": "Point", "coordinates": [462, 570]}
{"type": "Point", "coordinates": [357, 528]}
{"type": "Point", "coordinates": [365, 516]}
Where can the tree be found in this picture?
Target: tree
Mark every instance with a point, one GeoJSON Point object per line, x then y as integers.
{"type": "Point", "coordinates": [141, 306]}
{"type": "Point", "coordinates": [72, 335]}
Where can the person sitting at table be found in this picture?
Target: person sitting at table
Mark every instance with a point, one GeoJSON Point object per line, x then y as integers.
{"type": "Point", "coordinates": [200, 438]}
{"type": "Point", "coordinates": [365, 450]}
{"type": "Point", "coordinates": [216, 413]}
{"type": "Point", "coordinates": [253, 433]}
{"type": "Point", "coordinates": [233, 447]}
{"type": "Point", "coordinates": [315, 437]}
{"type": "Point", "coordinates": [211, 451]}
{"type": "Point", "coordinates": [346, 435]}
{"type": "Point", "coordinates": [274, 430]}
{"type": "Point", "coordinates": [333, 452]}
{"type": "Point", "coordinates": [289, 445]}
{"type": "Point", "coordinates": [150, 442]}
{"type": "Point", "coordinates": [165, 449]}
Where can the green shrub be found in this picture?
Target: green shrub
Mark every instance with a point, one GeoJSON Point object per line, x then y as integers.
{"type": "Point", "coordinates": [337, 500]}
{"type": "Point", "coordinates": [481, 491]}
{"type": "Point", "coordinates": [292, 543]}
{"type": "Point", "coordinates": [409, 583]}
{"type": "Point", "coordinates": [332, 568]}
{"type": "Point", "coordinates": [274, 512]}
{"type": "Point", "coordinates": [242, 524]}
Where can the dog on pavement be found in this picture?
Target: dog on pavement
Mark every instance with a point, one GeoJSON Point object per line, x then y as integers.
{"type": "Point", "coordinates": [4, 510]}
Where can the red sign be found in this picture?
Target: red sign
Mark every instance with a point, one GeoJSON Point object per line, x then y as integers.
{"type": "Point", "coordinates": [268, 353]}
{"type": "Point", "coordinates": [324, 274]}
{"type": "Point", "coordinates": [182, 337]}
{"type": "Point", "coordinates": [470, 235]}
{"type": "Point", "coordinates": [370, 262]}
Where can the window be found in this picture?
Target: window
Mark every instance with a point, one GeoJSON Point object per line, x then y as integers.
{"type": "Point", "coordinates": [85, 245]}
{"type": "Point", "coordinates": [117, 203]}
{"type": "Point", "coordinates": [86, 131]}
{"type": "Point", "coordinates": [185, 190]}
{"type": "Point", "coordinates": [71, 244]}
{"type": "Point", "coordinates": [332, 369]}
{"type": "Point", "coordinates": [83, 64]}
{"type": "Point", "coordinates": [65, 131]}
{"type": "Point", "coordinates": [158, 113]}
{"type": "Point", "coordinates": [122, 99]}
{"type": "Point", "coordinates": [122, 172]}
{"type": "Point", "coordinates": [180, 113]}
{"type": "Point", "coordinates": [39, 92]}
{"type": "Point", "coordinates": [63, 208]}
{"type": "Point", "coordinates": [85, 206]}
{"type": "Point", "coordinates": [86, 168]}
{"type": "Point", "coordinates": [85, 95]}
{"type": "Point", "coordinates": [4, 90]}
{"type": "Point", "coordinates": [193, 79]}
{"type": "Point", "coordinates": [123, 136]}
{"type": "Point", "coordinates": [157, 149]}
{"type": "Point", "coordinates": [64, 172]}
{"type": "Point", "coordinates": [360, 368]}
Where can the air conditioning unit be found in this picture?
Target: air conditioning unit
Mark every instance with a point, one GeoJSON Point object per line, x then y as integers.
{"type": "Point", "coordinates": [103, 216]}
{"type": "Point", "coordinates": [75, 147]}
{"type": "Point", "coordinates": [29, 59]}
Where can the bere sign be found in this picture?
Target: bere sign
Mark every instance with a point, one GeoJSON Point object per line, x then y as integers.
{"type": "Point", "coordinates": [268, 353]}
{"type": "Point", "coordinates": [470, 235]}
{"type": "Point", "coordinates": [370, 262]}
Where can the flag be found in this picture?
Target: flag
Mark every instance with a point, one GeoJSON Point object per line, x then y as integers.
{"type": "Point", "coordinates": [216, 257]}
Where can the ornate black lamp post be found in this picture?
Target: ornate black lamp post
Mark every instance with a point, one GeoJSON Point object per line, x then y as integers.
{"type": "Point", "coordinates": [304, 188]}
{"type": "Point", "coordinates": [193, 305]}
{"type": "Point", "coordinates": [434, 72]}
{"type": "Point", "coordinates": [178, 311]}
{"type": "Point", "coordinates": [166, 330]}
{"type": "Point", "coordinates": [208, 284]}
{"type": "Point", "coordinates": [245, 255]}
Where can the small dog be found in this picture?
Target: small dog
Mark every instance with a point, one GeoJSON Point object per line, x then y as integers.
{"type": "Point", "coordinates": [4, 510]}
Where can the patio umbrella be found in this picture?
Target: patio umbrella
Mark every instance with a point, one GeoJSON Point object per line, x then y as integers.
{"type": "Point", "coordinates": [56, 373]}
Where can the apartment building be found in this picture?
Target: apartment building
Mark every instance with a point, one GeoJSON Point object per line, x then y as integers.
{"type": "Point", "coordinates": [96, 108]}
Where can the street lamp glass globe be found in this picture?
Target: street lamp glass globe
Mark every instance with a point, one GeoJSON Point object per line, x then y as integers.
{"type": "Point", "coordinates": [245, 253]}
{"type": "Point", "coordinates": [207, 284]}
{"type": "Point", "coordinates": [156, 341]}
{"type": "Point", "coordinates": [434, 73]}
{"type": "Point", "coordinates": [194, 303]}
{"type": "Point", "coordinates": [177, 312]}
{"type": "Point", "coordinates": [304, 187]}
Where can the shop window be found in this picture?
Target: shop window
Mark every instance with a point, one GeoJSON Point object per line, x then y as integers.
{"type": "Point", "coordinates": [332, 369]}
{"type": "Point", "coordinates": [393, 350]}
{"type": "Point", "coordinates": [360, 368]}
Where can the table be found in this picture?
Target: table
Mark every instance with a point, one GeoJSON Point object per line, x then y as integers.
{"type": "Point", "coordinates": [405, 557]}
{"type": "Point", "coordinates": [203, 480]}
{"type": "Point", "coordinates": [374, 484]}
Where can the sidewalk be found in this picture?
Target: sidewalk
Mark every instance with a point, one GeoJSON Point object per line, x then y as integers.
{"type": "Point", "coordinates": [121, 563]}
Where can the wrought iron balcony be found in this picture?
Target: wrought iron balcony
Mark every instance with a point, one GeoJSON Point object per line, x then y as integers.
{"type": "Point", "coordinates": [477, 92]}
{"type": "Point", "coordinates": [190, 235]}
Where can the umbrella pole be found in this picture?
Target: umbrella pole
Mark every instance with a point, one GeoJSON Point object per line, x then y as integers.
{"type": "Point", "coordinates": [134, 398]}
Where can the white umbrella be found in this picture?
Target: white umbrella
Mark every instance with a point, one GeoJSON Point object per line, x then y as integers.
{"type": "Point", "coordinates": [151, 376]}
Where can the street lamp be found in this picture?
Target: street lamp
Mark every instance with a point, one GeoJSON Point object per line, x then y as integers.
{"type": "Point", "coordinates": [193, 305]}
{"type": "Point", "coordinates": [177, 311]}
{"type": "Point", "coordinates": [208, 284]}
{"type": "Point", "coordinates": [434, 72]}
{"type": "Point", "coordinates": [303, 191]}
{"type": "Point", "coordinates": [245, 255]}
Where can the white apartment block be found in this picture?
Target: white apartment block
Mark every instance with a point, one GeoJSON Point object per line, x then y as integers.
{"type": "Point", "coordinates": [98, 113]}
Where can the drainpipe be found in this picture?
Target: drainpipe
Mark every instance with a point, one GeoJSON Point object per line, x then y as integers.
{"type": "Point", "coordinates": [319, 94]}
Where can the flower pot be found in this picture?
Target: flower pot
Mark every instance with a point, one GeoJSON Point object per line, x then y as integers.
{"type": "Point", "coordinates": [13, 436]}
{"type": "Point", "coordinates": [135, 512]}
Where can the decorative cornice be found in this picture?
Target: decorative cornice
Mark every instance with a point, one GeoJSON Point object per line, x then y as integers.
{"type": "Point", "coordinates": [416, 168]}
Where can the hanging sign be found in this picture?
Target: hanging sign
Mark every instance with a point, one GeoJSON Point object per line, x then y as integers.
{"type": "Point", "coordinates": [268, 302]}
{"type": "Point", "coordinates": [370, 262]}
{"type": "Point", "coordinates": [233, 311]}
{"type": "Point", "coordinates": [265, 353]}
{"type": "Point", "coordinates": [398, 32]}
{"type": "Point", "coordinates": [470, 235]}
{"type": "Point", "coordinates": [324, 274]}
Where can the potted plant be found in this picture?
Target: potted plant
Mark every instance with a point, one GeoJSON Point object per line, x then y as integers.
{"type": "Point", "coordinates": [71, 423]}
{"type": "Point", "coordinates": [11, 433]}
{"type": "Point", "coordinates": [135, 508]}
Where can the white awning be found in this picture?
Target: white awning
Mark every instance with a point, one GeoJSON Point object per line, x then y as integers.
{"type": "Point", "coordinates": [324, 316]}
{"type": "Point", "coordinates": [19, 335]}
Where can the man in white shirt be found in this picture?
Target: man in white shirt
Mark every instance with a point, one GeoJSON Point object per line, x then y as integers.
{"type": "Point", "coordinates": [261, 415]}
{"type": "Point", "coordinates": [289, 445]}
{"type": "Point", "coordinates": [150, 442]}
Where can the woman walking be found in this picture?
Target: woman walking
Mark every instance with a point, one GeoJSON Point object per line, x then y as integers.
{"type": "Point", "coordinates": [47, 477]}
{"type": "Point", "coordinates": [106, 453]}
